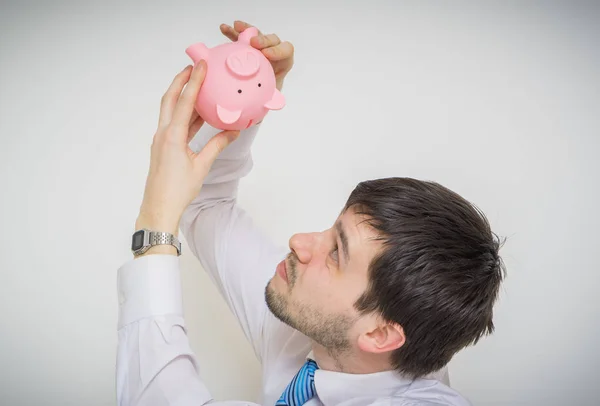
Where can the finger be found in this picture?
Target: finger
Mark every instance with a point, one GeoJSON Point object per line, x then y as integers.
{"type": "Point", "coordinates": [169, 99]}
{"type": "Point", "coordinates": [185, 104]}
{"type": "Point", "coordinates": [229, 32]}
{"type": "Point", "coordinates": [277, 53]}
{"type": "Point", "coordinates": [265, 41]}
{"type": "Point", "coordinates": [205, 158]}
{"type": "Point", "coordinates": [194, 128]}
{"type": "Point", "coordinates": [240, 26]}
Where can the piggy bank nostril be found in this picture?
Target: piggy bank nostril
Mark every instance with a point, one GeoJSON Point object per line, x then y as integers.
{"type": "Point", "coordinates": [239, 90]}
{"type": "Point", "coordinates": [259, 85]}
{"type": "Point", "coordinates": [244, 63]}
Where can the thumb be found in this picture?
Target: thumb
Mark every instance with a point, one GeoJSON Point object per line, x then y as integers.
{"type": "Point", "coordinates": [207, 155]}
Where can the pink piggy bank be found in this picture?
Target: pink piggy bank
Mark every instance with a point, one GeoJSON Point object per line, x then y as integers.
{"type": "Point", "coordinates": [239, 86]}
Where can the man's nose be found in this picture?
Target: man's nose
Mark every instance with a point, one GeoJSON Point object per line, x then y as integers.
{"type": "Point", "coordinates": [303, 246]}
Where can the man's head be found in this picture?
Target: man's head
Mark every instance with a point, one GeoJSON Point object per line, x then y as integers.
{"type": "Point", "coordinates": [409, 271]}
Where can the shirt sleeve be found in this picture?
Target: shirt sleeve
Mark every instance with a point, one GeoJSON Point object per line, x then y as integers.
{"type": "Point", "coordinates": [155, 364]}
{"type": "Point", "coordinates": [237, 255]}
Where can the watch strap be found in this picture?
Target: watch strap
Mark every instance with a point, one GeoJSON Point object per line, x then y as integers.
{"type": "Point", "coordinates": [162, 238]}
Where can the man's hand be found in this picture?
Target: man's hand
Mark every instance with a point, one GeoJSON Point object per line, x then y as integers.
{"type": "Point", "coordinates": [280, 54]}
{"type": "Point", "coordinates": [176, 173]}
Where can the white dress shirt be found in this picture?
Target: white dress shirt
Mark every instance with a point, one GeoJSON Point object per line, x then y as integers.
{"type": "Point", "coordinates": [155, 364]}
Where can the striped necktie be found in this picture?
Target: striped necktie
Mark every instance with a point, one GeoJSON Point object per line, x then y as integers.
{"type": "Point", "coordinates": [301, 388]}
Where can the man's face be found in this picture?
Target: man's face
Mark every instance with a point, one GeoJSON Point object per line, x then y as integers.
{"type": "Point", "coordinates": [314, 289]}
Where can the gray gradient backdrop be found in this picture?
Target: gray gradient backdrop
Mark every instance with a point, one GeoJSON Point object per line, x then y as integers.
{"type": "Point", "coordinates": [498, 101]}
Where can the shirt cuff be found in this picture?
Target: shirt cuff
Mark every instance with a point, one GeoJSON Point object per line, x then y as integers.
{"type": "Point", "coordinates": [149, 286]}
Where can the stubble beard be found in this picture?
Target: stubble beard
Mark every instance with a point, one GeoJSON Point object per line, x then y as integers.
{"type": "Point", "coordinates": [330, 331]}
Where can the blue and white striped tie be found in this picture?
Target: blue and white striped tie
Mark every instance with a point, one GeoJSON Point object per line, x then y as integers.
{"type": "Point", "coordinates": [302, 387]}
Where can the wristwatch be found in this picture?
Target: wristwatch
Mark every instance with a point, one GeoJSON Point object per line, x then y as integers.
{"type": "Point", "coordinates": [143, 239]}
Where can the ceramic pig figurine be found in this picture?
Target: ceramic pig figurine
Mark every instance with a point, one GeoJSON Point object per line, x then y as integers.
{"type": "Point", "coordinates": [239, 86]}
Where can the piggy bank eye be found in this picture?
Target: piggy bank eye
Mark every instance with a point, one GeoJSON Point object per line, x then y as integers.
{"type": "Point", "coordinates": [259, 85]}
{"type": "Point", "coordinates": [239, 90]}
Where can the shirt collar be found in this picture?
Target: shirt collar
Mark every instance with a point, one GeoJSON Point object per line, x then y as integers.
{"type": "Point", "coordinates": [335, 387]}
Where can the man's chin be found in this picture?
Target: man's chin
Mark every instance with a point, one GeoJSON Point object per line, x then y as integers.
{"type": "Point", "coordinates": [272, 285]}
{"type": "Point", "coordinates": [277, 303]}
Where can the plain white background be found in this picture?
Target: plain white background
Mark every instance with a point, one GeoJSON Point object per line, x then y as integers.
{"type": "Point", "coordinates": [498, 101]}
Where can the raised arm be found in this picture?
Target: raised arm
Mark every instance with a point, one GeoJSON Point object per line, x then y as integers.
{"type": "Point", "coordinates": [237, 255]}
{"type": "Point", "coordinates": [155, 365]}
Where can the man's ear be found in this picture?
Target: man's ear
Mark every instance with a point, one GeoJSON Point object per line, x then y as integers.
{"type": "Point", "coordinates": [384, 337]}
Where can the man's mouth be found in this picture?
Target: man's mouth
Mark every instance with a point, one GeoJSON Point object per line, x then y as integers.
{"type": "Point", "coordinates": [282, 271]}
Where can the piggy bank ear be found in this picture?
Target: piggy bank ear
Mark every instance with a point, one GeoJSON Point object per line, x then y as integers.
{"type": "Point", "coordinates": [197, 52]}
{"type": "Point", "coordinates": [247, 34]}
{"type": "Point", "coordinates": [228, 116]}
{"type": "Point", "coordinates": [277, 101]}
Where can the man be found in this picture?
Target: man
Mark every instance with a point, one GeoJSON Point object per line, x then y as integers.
{"type": "Point", "coordinates": [367, 312]}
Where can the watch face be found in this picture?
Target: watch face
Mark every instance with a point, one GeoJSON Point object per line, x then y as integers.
{"type": "Point", "coordinates": [138, 240]}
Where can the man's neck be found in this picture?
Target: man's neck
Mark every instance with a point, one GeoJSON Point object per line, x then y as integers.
{"type": "Point", "coordinates": [350, 362]}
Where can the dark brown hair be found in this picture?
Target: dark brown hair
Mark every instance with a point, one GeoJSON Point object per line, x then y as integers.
{"type": "Point", "coordinates": [438, 274]}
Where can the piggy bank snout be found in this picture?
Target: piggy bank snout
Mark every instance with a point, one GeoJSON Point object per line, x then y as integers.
{"type": "Point", "coordinates": [243, 63]}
